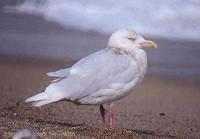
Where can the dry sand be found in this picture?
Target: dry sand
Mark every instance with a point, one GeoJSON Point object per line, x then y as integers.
{"type": "Point", "coordinates": [161, 107]}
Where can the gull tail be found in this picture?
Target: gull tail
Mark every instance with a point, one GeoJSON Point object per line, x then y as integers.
{"type": "Point", "coordinates": [51, 94]}
{"type": "Point", "coordinates": [38, 97]}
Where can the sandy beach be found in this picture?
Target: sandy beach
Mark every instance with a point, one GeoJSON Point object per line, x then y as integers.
{"type": "Point", "coordinates": [164, 105]}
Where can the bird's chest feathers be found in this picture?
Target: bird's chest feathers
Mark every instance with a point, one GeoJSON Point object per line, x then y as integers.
{"type": "Point", "coordinates": [138, 56]}
{"type": "Point", "coordinates": [141, 60]}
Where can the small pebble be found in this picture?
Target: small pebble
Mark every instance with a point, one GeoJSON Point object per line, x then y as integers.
{"type": "Point", "coordinates": [162, 114]}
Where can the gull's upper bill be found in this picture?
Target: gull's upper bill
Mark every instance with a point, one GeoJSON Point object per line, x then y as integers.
{"type": "Point", "coordinates": [102, 77]}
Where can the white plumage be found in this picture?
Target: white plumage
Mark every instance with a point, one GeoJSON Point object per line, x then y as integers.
{"type": "Point", "coordinates": [102, 77]}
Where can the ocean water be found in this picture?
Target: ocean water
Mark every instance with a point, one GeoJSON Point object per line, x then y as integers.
{"type": "Point", "coordinates": [173, 19]}
{"type": "Point", "coordinates": [26, 36]}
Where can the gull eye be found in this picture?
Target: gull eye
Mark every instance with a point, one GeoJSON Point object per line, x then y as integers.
{"type": "Point", "coordinates": [131, 38]}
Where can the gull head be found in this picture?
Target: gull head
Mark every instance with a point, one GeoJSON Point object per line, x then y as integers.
{"type": "Point", "coordinates": [129, 40]}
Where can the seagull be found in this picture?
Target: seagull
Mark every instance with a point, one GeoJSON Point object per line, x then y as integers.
{"type": "Point", "coordinates": [102, 77]}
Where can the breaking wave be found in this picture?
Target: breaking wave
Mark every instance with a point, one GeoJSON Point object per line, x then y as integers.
{"type": "Point", "coordinates": [169, 19]}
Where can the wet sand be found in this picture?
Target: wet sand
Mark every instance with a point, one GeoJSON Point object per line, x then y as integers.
{"type": "Point", "coordinates": [164, 105]}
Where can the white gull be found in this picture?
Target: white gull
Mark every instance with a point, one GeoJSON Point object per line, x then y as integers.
{"type": "Point", "coordinates": [102, 77]}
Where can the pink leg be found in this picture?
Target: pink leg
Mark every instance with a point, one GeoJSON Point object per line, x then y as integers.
{"type": "Point", "coordinates": [111, 115]}
{"type": "Point", "coordinates": [102, 110]}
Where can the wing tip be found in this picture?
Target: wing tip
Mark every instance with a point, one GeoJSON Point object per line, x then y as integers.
{"type": "Point", "coordinates": [51, 74]}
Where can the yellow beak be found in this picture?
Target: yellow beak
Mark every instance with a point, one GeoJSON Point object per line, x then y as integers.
{"type": "Point", "coordinates": [148, 44]}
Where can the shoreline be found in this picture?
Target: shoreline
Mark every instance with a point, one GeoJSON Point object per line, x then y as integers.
{"type": "Point", "coordinates": [67, 62]}
{"type": "Point", "coordinates": [34, 38]}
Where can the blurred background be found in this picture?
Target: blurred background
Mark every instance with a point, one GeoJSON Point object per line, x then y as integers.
{"type": "Point", "coordinates": [39, 20]}
{"type": "Point", "coordinates": [38, 36]}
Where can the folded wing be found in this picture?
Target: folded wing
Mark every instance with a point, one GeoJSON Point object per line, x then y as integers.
{"type": "Point", "coordinates": [99, 71]}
